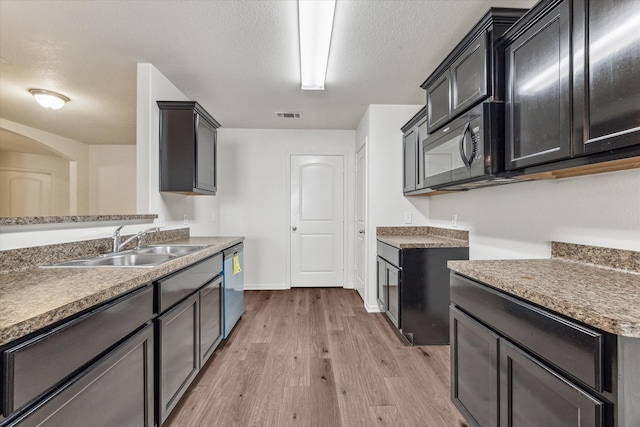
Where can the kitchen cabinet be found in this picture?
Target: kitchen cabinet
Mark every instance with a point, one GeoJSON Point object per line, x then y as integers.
{"type": "Point", "coordinates": [189, 328]}
{"type": "Point", "coordinates": [76, 348]}
{"type": "Point", "coordinates": [178, 353]}
{"type": "Point", "coordinates": [210, 318]}
{"type": "Point", "coordinates": [606, 58]}
{"type": "Point", "coordinates": [115, 391]}
{"type": "Point", "coordinates": [415, 286]}
{"type": "Point", "coordinates": [414, 132]}
{"type": "Point", "coordinates": [188, 148]}
{"type": "Point", "coordinates": [537, 106]}
{"type": "Point", "coordinates": [471, 73]}
{"type": "Point", "coordinates": [515, 364]}
{"type": "Point", "coordinates": [572, 97]}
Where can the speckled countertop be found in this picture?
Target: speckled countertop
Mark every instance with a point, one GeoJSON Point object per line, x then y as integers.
{"type": "Point", "coordinates": [422, 237]}
{"type": "Point", "coordinates": [596, 286]}
{"type": "Point", "coordinates": [34, 298]}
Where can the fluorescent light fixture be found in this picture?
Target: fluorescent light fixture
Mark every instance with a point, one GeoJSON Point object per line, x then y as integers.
{"type": "Point", "coordinates": [49, 99]}
{"type": "Point", "coordinates": [315, 23]}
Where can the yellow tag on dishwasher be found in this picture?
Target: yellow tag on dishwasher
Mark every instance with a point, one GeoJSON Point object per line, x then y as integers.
{"type": "Point", "coordinates": [236, 265]}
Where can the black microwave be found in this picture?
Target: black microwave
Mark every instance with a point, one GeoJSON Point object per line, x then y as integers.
{"type": "Point", "coordinates": [468, 152]}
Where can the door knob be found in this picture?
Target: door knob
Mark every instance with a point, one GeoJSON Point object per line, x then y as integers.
{"type": "Point", "coordinates": [294, 228]}
{"type": "Point", "coordinates": [361, 231]}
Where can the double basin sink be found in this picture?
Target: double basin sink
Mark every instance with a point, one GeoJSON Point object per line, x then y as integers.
{"type": "Point", "coordinates": [150, 256]}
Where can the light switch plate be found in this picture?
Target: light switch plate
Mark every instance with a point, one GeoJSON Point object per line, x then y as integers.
{"type": "Point", "coordinates": [454, 219]}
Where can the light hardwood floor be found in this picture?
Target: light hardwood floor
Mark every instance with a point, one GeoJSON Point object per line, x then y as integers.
{"type": "Point", "coordinates": [315, 357]}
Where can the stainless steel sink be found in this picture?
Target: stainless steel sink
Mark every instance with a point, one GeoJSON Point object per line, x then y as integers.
{"type": "Point", "coordinates": [169, 249]}
{"type": "Point", "coordinates": [150, 256]}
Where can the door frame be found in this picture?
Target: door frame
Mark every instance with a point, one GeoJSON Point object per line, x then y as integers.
{"type": "Point", "coordinates": [348, 179]}
{"type": "Point", "coordinates": [365, 199]}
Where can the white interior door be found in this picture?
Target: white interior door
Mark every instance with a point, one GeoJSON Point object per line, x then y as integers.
{"type": "Point", "coordinates": [317, 220]}
{"type": "Point", "coordinates": [25, 193]}
{"type": "Point", "coordinates": [360, 220]}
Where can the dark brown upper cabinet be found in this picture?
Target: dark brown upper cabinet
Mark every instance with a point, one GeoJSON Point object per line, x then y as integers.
{"type": "Point", "coordinates": [188, 148]}
{"type": "Point", "coordinates": [572, 92]}
{"type": "Point", "coordinates": [606, 75]}
{"type": "Point", "coordinates": [538, 92]}
{"type": "Point", "coordinates": [471, 73]}
{"type": "Point", "coordinates": [414, 131]}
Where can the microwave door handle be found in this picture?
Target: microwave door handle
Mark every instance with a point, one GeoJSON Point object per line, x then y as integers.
{"type": "Point", "coordinates": [474, 142]}
{"type": "Point", "coordinates": [463, 155]}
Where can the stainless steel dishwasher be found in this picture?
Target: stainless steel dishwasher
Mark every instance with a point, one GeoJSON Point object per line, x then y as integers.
{"type": "Point", "coordinates": [233, 286]}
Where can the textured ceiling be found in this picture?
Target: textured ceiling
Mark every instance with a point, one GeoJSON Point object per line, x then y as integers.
{"type": "Point", "coordinates": [239, 59]}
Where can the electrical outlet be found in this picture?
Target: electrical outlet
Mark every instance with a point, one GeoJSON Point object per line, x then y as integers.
{"type": "Point", "coordinates": [454, 219]}
{"type": "Point", "coordinates": [407, 217]}
{"type": "Point", "coordinates": [213, 216]}
{"type": "Point", "coordinates": [185, 220]}
{"type": "Point", "coordinates": [159, 222]}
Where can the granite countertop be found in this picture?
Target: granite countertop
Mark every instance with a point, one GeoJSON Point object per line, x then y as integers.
{"type": "Point", "coordinates": [596, 286]}
{"type": "Point", "coordinates": [422, 237]}
{"type": "Point", "coordinates": [38, 297]}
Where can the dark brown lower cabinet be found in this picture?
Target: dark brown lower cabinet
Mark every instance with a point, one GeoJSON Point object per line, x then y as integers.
{"type": "Point", "coordinates": [115, 391]}
{"type": "Point", "coordinates": [474, 369]}
{"type": "Point", "coordinates": [516, 364]}
{"type": "Point", "coordinates": [178, 353]}
{"type": "Point", "coordinates": [493, 383]}
{"type": "Point", "coordinates": [534, 395]}
{"type": "Point", "coordinates": [210, 318]}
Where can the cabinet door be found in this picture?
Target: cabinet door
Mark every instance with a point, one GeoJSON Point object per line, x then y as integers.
{"type": "Point", "coordinates": [382, 284]}
{"type": "Point", "coordinates": [438, 103]}
{"type": "Point", "coordinates": [410, 145]}
{"type": "Point", "coordinates": [116, 391]}
{"type": "Point", "coordinates": [420, 141]}
{"type": "Point", "coordinates": [178, 353]}
{"type": "Point", "coordinates": [206, 141]}
{"type": "Point", "coordinates": [210, 318]}
{"type": "Point", "coordinates": [469, 76]}
{"type": "Point", "coordinates": [606, 74]}
{"type": "Point", "coordinates": [393, 294]}
{"type": "Point", "coordinates": [537, 108]}
{"type": "Point", "coordinates": [474, 369]}
{"type": "Point", "coordinates": [532, 395]}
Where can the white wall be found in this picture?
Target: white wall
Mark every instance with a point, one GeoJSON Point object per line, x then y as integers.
{"type": "Point", "coordinates": [254, 195]}
{"type": "Point", "coordinates": [202, 211]}
{"type": "Point", "coordinates": [520, 220]}
{"type": "Point", "coordinates": [386, 204]}
{"type": "Point", "coordinates": [112, 182]}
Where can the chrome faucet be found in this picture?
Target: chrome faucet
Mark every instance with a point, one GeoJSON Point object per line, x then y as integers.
{"type": "Point", "coordinates": [117, 245]}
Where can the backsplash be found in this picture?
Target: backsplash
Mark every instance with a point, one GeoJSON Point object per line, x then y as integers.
{"type": "Point", "coordinates": [421, 231]}
{"type": "Point", "coordinates": [607, 257]}
{"type": "Point", "coordinates": [25, 258]}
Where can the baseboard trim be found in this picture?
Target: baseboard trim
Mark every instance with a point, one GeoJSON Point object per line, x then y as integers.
{"type": "Point", "coordinates": [265, 287]}
{"type": "Point", "coordinates": [372, 308]}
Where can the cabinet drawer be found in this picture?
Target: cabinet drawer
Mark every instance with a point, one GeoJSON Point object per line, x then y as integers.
{"type": "Point", "coordinates": [575, 349]}
{"type": "Point", "coordinates": [69, 347]}
{"type": "Point", "coordinates": [389, 253]}
{"type": "Point", "coordinates": [177, 286]}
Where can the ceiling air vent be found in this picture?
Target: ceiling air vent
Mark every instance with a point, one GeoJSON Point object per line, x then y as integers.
{"type": "Point", "coordinates": [283, 115]}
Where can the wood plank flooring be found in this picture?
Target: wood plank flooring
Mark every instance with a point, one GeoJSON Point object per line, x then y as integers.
{"type": "Point", "coordinates": [315, 357]}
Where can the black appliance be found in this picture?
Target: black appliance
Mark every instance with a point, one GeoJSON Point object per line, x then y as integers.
{"type": "Point", "coordinates": [468, 152]}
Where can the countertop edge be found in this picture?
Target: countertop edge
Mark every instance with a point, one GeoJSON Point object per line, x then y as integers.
{"type": "Point", "coordinates": [140, 277]}
{"type": "Point", "coordinates": [581, 313]}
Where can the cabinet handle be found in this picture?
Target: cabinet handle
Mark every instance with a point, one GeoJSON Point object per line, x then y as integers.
{"type": "Point", "coordinates": [294, 228]}
{"type": "Point", "coordinates": [361, 231]}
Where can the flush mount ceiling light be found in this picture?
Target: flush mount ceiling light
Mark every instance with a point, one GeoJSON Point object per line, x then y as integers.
{"type": "Point", "coordinates": [315, 23]}
{"type": "Point", "coordinates": [49, 99]}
